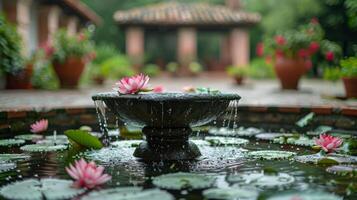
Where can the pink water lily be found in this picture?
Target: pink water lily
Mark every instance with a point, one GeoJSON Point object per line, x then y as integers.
{"type": "Point", "coordinates": [132, 85]}
{"type": "Point", "coordinates": [87, 175]}
{"type": "Point", "coordinates": [328, 143]}
{"type": "Point", "coordinates": [39, 126]}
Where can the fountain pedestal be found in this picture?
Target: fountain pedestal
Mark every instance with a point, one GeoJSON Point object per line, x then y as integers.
{"type": "Point", "coordinates": [167, 144]}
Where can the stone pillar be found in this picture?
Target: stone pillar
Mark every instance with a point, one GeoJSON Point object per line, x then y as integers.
{"type": "Point", "coordinates": [186, 48]}
{"type": "Point", "coordinates": [135, 46]}
{"type": "Point", "coordinates": [48, 23]}
{"type": "Point", "coordinates": [225, 54]}
{"type": "Point", "coordinates": [72, 26]}
{"type": "Point", "coordinates": [239, 42]}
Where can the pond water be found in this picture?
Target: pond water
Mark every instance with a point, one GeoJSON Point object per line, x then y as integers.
{"type": "Point", "coordinates": [230, 162]}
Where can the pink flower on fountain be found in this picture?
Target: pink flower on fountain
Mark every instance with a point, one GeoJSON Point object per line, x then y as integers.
{"type": "Point", "coordinates": [132, 85]}
{"type": "Point", "coordinates": [87, 175]}
{"type": "Point", "coordinates": [158, 89]}
{"type": "Point", "coordinates": [328, 143]}
{"type": "Point", "coordinates": [39, 126]}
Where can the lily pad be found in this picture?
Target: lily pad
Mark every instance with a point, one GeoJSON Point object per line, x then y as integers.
{"type": "Point", "coordinates": [43, 147]}
{"type": "Point", "coordinates": [271, 154]}
{"type": "Point", "coordinates": [201, 142]}
{"type": "Point", "coordinates": [262, 180]}
{"type": "Point", "coordinates": [30, 137]}
{"type": "Point", "coordinates": [6, 166]}
{"type": "Point", "coordinates": [223, 131]}
{"type": "Point", "coordinates": [53, 142]}
{"type": "Point", "coordinates": [13, 157]}
{"type": "Point", "coordinates": [58, 137]}
{"type": "Point", "coordinates": [126, 143]}
{"type": "Point", "coordinates": [305, 120]}
{"type": "Point", "coordinates": [272, 136]}
{"type": "Point", "coordinates": [249, 132]}
{"type": "Point", "coordinates": [225, 141]}
{"type": "Point", "coordinates": [319, 130]}
{"type": "Point", "coordinates": [84, 139]}
{"type": "Point", "coordinates": [37, 189]}
{"type": "Point", "coordinates": [327, 159]}
{"type": "Point", "coordinates": [11, 142]}
{"type": "Point", "coordinates": [343, 170]}
{"type": "Point", "coordinates": [231, 193]}
{"type": "Point", "coordinates": [302, 141]}
{"type": "Point", "coordinates": [129, 193]}
{"type": "Point", "coordinates": [179, 181]}
{"type": "Point", "coordinates": [306, 195]}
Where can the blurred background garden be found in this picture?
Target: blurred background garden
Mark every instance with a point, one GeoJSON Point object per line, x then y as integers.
{"type": "Point", "coordinates": [101, 42]}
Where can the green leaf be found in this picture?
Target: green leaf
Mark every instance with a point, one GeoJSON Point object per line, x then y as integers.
{"type": "Point", "coordinates": [305, 120]}
{"type": "Point", "coordinates": [84, 139]}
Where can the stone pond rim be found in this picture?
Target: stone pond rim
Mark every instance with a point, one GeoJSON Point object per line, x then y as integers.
{"type": "Point", "coordinates": [166, 119]}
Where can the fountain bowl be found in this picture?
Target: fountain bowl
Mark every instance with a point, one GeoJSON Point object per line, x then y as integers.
{"type": "Point", "coordinates": [166, 119]}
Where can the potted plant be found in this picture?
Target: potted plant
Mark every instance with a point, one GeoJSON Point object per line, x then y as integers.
{"type": "Point", "coordinates": [348, 73]}
{"type": "Point", "coordinates": [238, 73]}
{"type": "Point", "coordinates": [291, 52]}
{"type": "Point", "coordinates": [11, 61]}
{"type": "Point", "coordinates": [69, 55]}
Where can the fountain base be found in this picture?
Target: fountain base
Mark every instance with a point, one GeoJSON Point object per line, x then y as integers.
{"type": "Point", "coordinates": [167, 144]}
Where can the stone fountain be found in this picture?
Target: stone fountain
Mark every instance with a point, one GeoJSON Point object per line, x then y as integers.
{"type": "Point", "coordinates": [167, 119]}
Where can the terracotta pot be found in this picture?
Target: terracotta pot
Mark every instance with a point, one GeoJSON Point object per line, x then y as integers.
{"type": "Point", "coordinates": [350, 86]}
{"type": "Point", "coordinates": [21, 80]}
{"type": "Point", "coordinates": [289, 71]}
{"type": "Point", "coordinates": [239, 80]}
{"type": "Point", "coordinates": [69, 71]}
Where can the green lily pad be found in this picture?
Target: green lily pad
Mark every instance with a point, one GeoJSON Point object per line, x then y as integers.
{"type": "Point", "coordinates": [13, 157]}
{"type": "Point", "coordinates": [58, 137]}
{"type": "Point", "coordinates": [83, 139]}
{"type": "Point", "coordinates": [302, 141]}
{"type": "Point", "coordinates": [327, 159]}
{"type": "Point", "coordinates": [271, 154]}
{"type": "Point", "coordinates": [223, 131]}
{"type": "Point", "coordinates": [43, 148]}
{"type": "Point", "coordinates": [53, 142]}
{"type": "Point", "coordinates": [231, 193]}
{"type": "Point", "coordinates": [129, 193]}
{"type": "Point", "coordinates": [225, 141]}
{"type": "Point", "coordinates": [319, 130]}
{"type": "Point", "coordinates": [306, 195]}
{"type": "Point", "coordinates": [37, 189]}
{"type": "Point", "coordinates": [305, 120]}
{"type": "Point", "coordinates": [249, 132]}
{"type": "Point", "coordinates": [4, 167]}
{"type": "Point", "coordinates": [272, 136]}
{"type": "Point", "coordinates": [11, 142]}
{"type": "Point", "coordinates": [30, 137]}
{"type": "Point", "coordinates": [262, 180]}
{"type": "Point", "coordinates": [201, 142]}
{"type": "Point", "coordinates": [126, 143]}
{"type": "Point", "coordinates": [343, 170]}
{"type": "Point", "coordinates": [179, 181]}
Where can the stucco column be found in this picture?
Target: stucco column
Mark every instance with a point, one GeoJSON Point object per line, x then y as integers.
{"type": "Point", "coordinates": [225, 54]}
{"type": "Point", "coordinates": [72, 25]}
{"type": "Point", "coordinates": [186, 48]}
{"type": "Point", "coordinates": [239, 41]}
{"type": "Point", "coordinates": [48, 23]}
{"type": "Point", "coordinates": [135, 46]}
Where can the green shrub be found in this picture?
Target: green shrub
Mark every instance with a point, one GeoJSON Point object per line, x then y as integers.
{"type": "Point", "coordinates": [151, 70]}
{"type": "Point", "coordinates": [195, 67]}
{"type": "Point", "coordinates": [260, 69]}
{"type": "Point", "coordinates": [44, 76]}
{"type": "Point", "coordinates": [11, 61]}
{"type": "Point", "coordinates": [349, 67]}
{"type": "Point", "coordinates": [237, 71]}
{"type": "Point", "coordinates": [172, 67]}
{"type": "Point", "coordinates": [116, 67]}
{"type": "Point", "coordinates": [332, 73]}
{"type": "Point", "coordinates": [104, 52]}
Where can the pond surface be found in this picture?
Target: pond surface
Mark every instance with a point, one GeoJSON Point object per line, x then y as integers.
{"type": "Point", "coordinates": [230, 162]}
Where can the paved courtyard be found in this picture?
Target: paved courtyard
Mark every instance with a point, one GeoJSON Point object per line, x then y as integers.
{"type": "Point", "coordinates": [254, 92]}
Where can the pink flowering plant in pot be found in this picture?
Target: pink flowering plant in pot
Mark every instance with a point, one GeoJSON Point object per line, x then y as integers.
{"type": "Point", "coordinates": [294, 52]}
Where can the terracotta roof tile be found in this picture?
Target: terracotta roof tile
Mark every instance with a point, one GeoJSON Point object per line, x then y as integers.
{"type": "Point", "coordinates": [175, 13]}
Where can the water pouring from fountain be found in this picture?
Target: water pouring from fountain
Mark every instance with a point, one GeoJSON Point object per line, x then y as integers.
{"type": "Point", "coordinates": [167, 119]}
